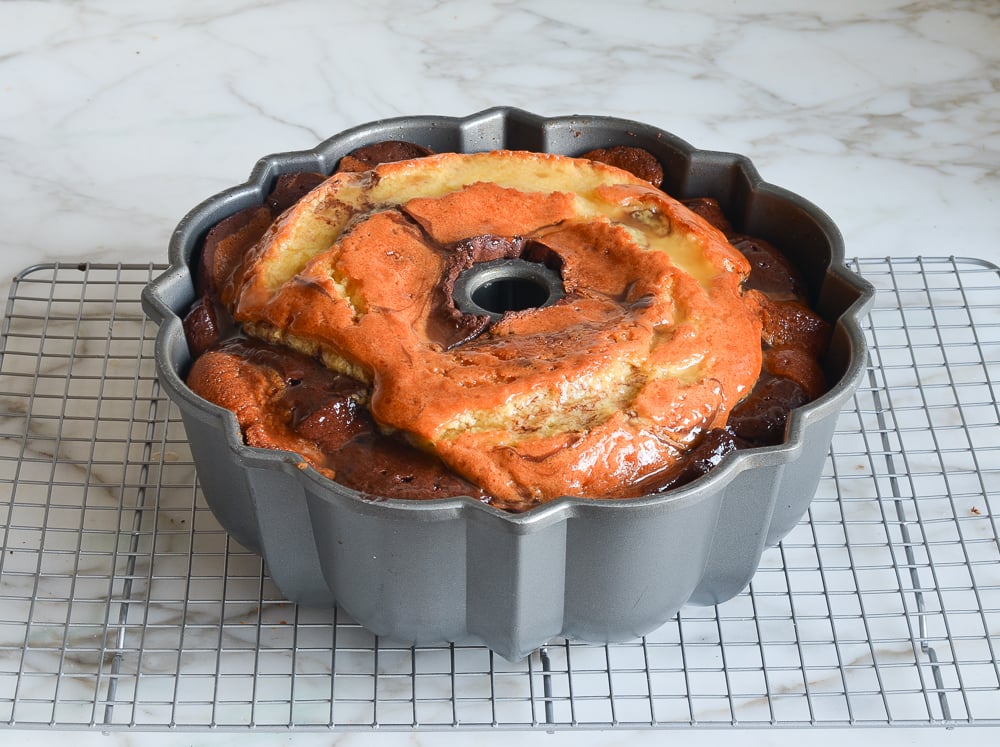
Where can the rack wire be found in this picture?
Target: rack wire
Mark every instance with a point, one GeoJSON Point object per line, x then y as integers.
{"type": "Point", "coordinates": [123, 604]}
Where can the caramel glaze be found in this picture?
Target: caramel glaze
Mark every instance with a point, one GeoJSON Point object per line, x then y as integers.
{"type": "Point", "coordinates": [288, 401]}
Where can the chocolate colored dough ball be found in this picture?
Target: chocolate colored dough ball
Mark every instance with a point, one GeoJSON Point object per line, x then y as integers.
{"type": "Point", "coordinates": [637, 161]}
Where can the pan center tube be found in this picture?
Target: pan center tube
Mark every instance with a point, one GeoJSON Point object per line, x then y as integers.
{"type": "Point", "coordinates": [506, 285]}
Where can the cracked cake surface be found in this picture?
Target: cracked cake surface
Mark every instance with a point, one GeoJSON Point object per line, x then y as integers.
{"type": "Point", "coordinates": [603, 394]}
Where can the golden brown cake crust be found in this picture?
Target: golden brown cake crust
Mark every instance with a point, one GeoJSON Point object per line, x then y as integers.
{"type": "Point", "coordinates": [652, 345]}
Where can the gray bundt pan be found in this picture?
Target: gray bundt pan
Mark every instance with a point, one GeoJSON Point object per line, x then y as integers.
{"type": "Point", "coordinates": [460, 571]}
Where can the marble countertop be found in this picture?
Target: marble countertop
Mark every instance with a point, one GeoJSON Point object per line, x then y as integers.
{"type": "Point", "coordinates": [117, 117]}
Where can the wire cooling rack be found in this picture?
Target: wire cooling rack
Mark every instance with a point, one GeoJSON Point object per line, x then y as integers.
{"type": "Point", "coordinates": [123, 604]}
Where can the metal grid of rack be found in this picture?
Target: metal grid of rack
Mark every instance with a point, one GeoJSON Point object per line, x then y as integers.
{"type": "Point", "coordinates": [123, 604]}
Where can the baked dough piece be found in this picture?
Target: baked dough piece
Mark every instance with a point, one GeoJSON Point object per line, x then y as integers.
{"type": "Point", "coordinates": [651, 346]}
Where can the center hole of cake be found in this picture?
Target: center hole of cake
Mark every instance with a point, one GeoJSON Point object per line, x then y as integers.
{"type": "Point", "coordinates": [495, 288]}
{"type": "Point", "coordinates": [510, 294]}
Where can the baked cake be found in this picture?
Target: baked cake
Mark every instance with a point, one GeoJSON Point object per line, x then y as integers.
{"type": "Point", "coordinates": [327, 322]}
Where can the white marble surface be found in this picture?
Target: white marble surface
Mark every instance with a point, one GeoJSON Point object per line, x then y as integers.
{"type": "Point", "coordinates": [116, 117]}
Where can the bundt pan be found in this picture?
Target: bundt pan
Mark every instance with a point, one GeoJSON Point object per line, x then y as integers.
{"type": "Point", "coordinates": [457, 570]}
